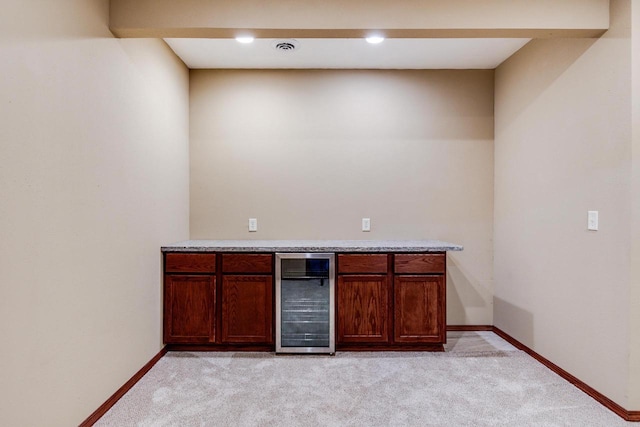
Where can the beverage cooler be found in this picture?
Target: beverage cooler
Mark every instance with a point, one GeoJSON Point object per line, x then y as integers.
{"type": "Point", "coordinates": [305, 303]}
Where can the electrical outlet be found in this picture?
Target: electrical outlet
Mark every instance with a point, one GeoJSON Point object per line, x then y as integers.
{"type": "Point", "coordinates": [253, 224]}
{"type": "Point", "coordinates": [366, 224]}
{"type": "Point", "coordinates": [592, 220]}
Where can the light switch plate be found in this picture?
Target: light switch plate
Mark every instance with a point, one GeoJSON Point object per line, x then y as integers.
{"type": "Point", "coordinates": [366, 224]}
{"type": "Point", "coordinates": [253, 224]}
{"type": "Point", "coordinates": [592, 220]}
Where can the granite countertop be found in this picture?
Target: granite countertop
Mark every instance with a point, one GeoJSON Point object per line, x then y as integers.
{"type": "Point", "coordinates": [311, 246]}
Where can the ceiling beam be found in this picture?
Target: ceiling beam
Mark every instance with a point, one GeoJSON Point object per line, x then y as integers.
{"type": "Point", "coordinates": [358, 18]}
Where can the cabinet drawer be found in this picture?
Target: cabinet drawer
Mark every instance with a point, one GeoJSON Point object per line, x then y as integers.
{"type": "Point", "coordinates": [247, 263]}
{"type": "Point", "coordinates": [189, 263]}
{"type": "Point", "coordinates": [419, 263]}
{"type": "Point", "coordinates": [362, 263]}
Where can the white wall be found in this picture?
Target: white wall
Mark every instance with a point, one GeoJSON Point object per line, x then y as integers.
{"type": "Point", "coordinates": [562, 147]}
{"type": "Point", "coordinates": [93, 180]}
{"type": "Point", "coordinates": [310, 153]}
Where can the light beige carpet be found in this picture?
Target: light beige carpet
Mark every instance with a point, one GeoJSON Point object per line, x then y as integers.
{"type": "Point", "coordinates": [479, 381]}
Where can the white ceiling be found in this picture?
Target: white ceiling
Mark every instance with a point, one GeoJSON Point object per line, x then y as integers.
{"type": "Point", "coordinates": [348, 53]}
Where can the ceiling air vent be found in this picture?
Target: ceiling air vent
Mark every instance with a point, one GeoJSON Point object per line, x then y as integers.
{"type": "Point", "coordinates": [286, 46]}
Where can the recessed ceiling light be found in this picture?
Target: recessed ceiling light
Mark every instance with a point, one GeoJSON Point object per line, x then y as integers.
{"type": "Point", "coordinates": [244, 39]}
{"type": "Point", "coordinates": [374, 39]}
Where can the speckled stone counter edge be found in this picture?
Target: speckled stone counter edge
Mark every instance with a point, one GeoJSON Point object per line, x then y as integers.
{"type": "Point", "coordinates": [311, 246]}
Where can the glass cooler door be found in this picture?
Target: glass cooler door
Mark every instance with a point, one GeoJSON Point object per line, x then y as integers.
{"type": "Point", "coordinates": [304, 303]}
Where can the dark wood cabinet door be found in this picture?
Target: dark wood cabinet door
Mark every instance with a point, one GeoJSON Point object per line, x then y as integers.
{"type": "Point", "coordinates": [189, 308]}
{"type": "Point", "coordinates": [419, 309]}
{"type": "Point", "coordinates": [247, 309]}
{"type": "Point", "coordinates": [363, 309]}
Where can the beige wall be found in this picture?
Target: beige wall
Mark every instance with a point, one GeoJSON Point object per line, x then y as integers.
{"type": "Point", "coordinates": [634, 373]}
{"type": "Point", "coordinates": [93, 179]}
{"type": "Point", "coordinates": [310, 153]}
{"type": "Point", "coordinates": [355, 18]}
{"type": "Point", "coordinates": [562, 147]}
